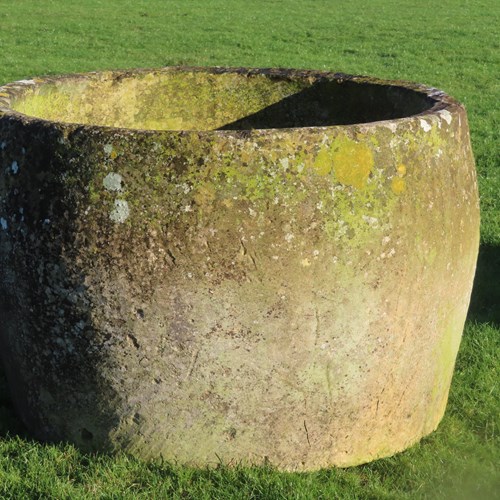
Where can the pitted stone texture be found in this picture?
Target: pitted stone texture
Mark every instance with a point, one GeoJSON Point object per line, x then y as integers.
{"type": "Point", "coordinates": [290, 287]}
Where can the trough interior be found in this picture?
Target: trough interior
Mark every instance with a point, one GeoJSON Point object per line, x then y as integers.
{"type": "Point", "coordinates": [205, 101]}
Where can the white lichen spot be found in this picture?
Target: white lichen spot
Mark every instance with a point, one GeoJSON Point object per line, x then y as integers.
{"type": "Point", "coordinates": [425, 126]}
{"type": "Point", "coordinates": [446, 115]}
{"type": "Point", "coordinates": [305, 262]}
{"type": "Point", "coordinates": [391, 126]}
{"type": "Point", "coordinates": [386, 240]}
{"type": "Point", "coordinates": [60, 341]}
{"type": "Point", "coordinates": [393, 143]}
{"type": "Point", "coordinates": [289, 237]}
{"type": "Point", "coordinates": [335, 259]}
{"type": "Point", "coordinates": [108, 148]}
{"type": "Point", "coordinates": [188, 208]}
{"type": "Point", "coordinates": [120, 211]}
{"type": "Point", "coordinates": [190, 275]}
{"type": "Point", "coordinates": [26, 82]}
{"type": "Point", "coordinates": [14, 167]}
{"type": "Point", "coordinates": [275, 257]}
{"type": "Point", "coordinates": [46, 222]}
{"type": "Point", "coordinates": [316, 253]}
{"type": "Point", "coordinates": [113, 182]}
{"type": "Point", "coordinates": [186, 188]}
{"type": "Point", "coordinates": [372, 221]}
{"type": "Point", "coordinates": [3, 145]}
{"type": "Point", "coordinates": [252, 212]}
{"type": "Point", "coordinates": [284, 163]}
{"type": "Point", "coordinates": [392, 251]}
{"type": "Point", "coordinates": [3, 224]}
{"type": "Point", "coordinates": [319, 205]}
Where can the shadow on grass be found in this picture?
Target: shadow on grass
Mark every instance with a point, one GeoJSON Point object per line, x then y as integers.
{"type": "Point", "coordinates": [485, 300]}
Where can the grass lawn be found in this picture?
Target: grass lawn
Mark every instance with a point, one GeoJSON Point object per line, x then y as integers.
{"type": "Point", "coordinates": [452, 45]}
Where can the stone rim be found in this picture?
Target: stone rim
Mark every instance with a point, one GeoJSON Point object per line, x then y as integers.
{"type": "Point", "coordinates": [441, 100]}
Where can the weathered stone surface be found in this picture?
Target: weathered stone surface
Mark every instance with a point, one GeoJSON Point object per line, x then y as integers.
{"type": "Point", "coordinates": [211, 264]}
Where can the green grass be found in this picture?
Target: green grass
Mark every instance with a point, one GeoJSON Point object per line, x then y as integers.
{"type": "Point", "coordinates": [451, 44]}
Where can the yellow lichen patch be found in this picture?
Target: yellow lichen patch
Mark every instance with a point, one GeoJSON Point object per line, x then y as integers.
{"type": "Point", "coordinates": [398, 185]}
{"type": "Point", "coordinates": [205, 195]}
{"type": "Point", "coordinates": [401, 169]}
{"type": "Point", "coordinates": [352, 163]}
{"type": "Point", "coordinates": [246, 156]}
{"type": "Point", "coordinates": [323, 162]}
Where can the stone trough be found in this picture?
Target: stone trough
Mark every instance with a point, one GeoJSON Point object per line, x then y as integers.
{"type": "Point", "coordinates": [244, 265]}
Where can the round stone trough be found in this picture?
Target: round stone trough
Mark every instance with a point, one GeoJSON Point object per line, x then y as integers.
{"type": "Point", "coordinates": [236, 265]}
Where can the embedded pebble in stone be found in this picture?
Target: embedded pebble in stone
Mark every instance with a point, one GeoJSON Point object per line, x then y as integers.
{"type": "Point", "coordinates": [113, 182]}
{"type": "Point", "coordinates": [121, 211]}
{"type": "Point", "coordinates": [14, 167]}
{"type": "Point", "coordinates": [3, 224]}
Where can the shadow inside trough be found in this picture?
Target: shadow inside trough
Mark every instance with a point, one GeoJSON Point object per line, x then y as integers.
{"type": "Point", "coordinates": [328, 103]}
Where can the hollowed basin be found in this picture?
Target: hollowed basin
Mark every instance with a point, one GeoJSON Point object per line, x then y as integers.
{"type": "Point", "coordinates": [211, 264]}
